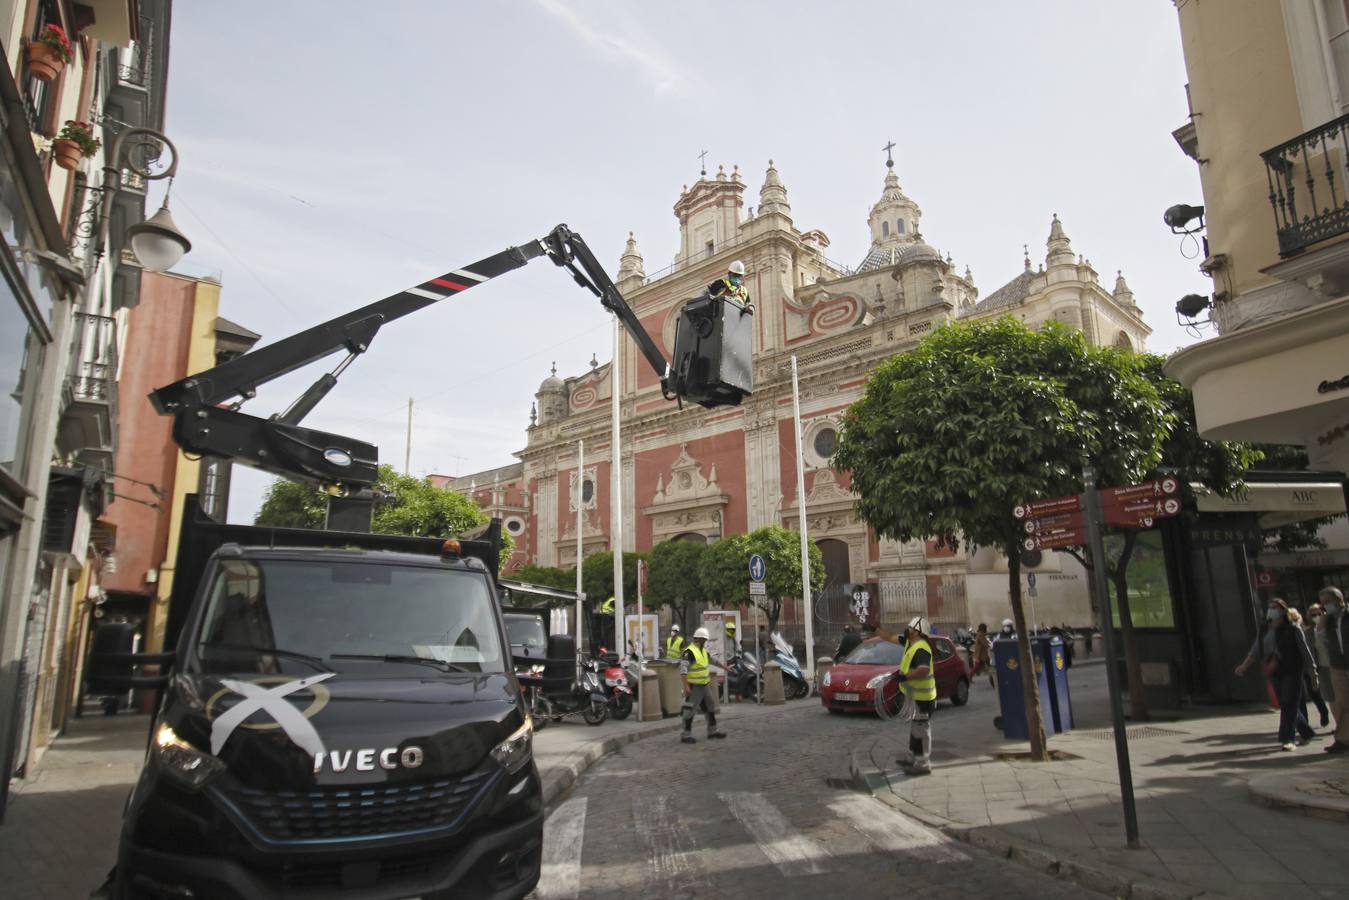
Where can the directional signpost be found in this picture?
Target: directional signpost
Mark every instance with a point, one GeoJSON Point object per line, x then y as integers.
{"type": "Point", "coordinates": [757, 570]}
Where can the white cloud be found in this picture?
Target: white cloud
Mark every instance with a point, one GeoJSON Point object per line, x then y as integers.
{"type": "Point", "coordinates": [667, 76]}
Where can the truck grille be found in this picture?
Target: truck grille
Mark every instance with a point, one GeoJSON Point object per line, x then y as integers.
{"type": "Point", "coordinates": [357, 812]}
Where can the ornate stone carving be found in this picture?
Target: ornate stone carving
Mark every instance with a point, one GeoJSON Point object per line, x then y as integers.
{"type": "Point", "coordinates": [688, 501]}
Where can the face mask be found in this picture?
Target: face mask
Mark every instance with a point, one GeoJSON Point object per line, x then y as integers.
{"type": "Point", "coordinates": [734, 280]}
{"type": "Point", "coordinates": [1274, 615]}
{"type": "Point", "coordinates": [1335, 610]}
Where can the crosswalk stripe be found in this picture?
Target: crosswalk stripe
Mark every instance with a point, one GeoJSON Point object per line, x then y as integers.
{"type": "Point", "coordinates": [892, 831]}
{"type": "Point", "coordinates": [788, 849]}
{"type": "Point", "coordinates": [668, 844]}
{"type": "Point", "coordinates": [563, 833]}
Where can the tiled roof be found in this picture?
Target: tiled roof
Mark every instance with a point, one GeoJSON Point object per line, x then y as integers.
{"type": "Point", "coordinates": [883, 256]}
{"type": "Point", "coordinates": [1010, 294]}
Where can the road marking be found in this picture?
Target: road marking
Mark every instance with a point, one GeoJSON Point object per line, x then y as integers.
{"type": "Point", "coordinates": [563, 834]}
{"type": "Point", "coordinates": [668, 844]}
{"type": "Point", "coordinates": [892, 831]}
{"type": "Point", "coordinates": [788, 849]}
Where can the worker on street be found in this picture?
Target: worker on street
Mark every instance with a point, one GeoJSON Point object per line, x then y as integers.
{"type": "Point", "coordinates": [732, 287]}
{"type": "Point", "coordinates": [918, 681]}
{"type": "Point", "coordinates": [674, 644]}
{"type": "Point", "coordinates": [698, 692]}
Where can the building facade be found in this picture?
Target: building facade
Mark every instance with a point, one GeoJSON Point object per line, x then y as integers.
{"type": "Point", "coordinates": [697, 474]}
{"type": "Point", "coordinates": [63, 322]}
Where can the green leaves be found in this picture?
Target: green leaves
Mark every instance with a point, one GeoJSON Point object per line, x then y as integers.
{"type": "Point", "coordinates": [725, 569]}
{"type": "Point", "coordinates": [673, 573]}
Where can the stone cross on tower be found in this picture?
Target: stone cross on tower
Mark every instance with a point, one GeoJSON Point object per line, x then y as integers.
{"type": "Point", "coordinates": [702, 162]}
{"type": "Point", "coordinates": [889, 157]}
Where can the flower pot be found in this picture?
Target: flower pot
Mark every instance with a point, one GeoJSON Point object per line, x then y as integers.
{"type": "Point", "coordinates": [67, 153]}
{"type": "Point", "coordinates": [44, 63]}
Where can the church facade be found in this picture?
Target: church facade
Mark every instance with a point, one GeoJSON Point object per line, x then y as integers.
{"type": "Point", "coordinates": [696, 474]}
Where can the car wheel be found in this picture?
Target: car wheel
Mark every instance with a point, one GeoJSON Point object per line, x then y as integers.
{"type": "Point", "coordinates": [961, 696]}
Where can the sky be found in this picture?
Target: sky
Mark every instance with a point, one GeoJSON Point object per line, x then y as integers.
{"type": "Point", "coordinates": [336, 152]}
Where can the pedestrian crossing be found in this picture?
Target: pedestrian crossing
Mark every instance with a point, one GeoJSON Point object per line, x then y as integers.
{"type": "Point", "coordinates": [852, 823]}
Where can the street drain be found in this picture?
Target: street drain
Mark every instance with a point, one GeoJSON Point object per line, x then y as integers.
{"type": "Point", "coordinates": [1137, 733]}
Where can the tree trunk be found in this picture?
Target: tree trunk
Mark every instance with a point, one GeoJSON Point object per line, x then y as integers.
{"type": "Point", "coordinates": [772, 612]}
{"type": "Point", "coordinates": [1030, 693]}
{"type": "Point", "coordinates": [1119, 577]}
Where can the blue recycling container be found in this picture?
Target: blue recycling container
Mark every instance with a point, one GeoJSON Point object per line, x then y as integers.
{"type": "Point", "coordinates": [1013, 709]}
{"type": "Point", "coordinates": [1052, 652]}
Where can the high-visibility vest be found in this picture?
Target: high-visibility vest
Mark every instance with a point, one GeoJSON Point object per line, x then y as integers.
{"type": "Point", "coordinates": [674, 647]}
{"type": "Point", "coordinates": [608, 606]}
{"type": "Point", "coordinates": [919, 688]}
{"type": "Point", "coordinates": [698, 673]}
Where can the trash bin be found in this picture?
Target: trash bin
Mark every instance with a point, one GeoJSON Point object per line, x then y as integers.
{"type": "Point", "coordinates": [1080, 650]}
{"type": "Point", "coordinates": [772, 685]}
{"type": "Point", "coordinates": [1051, 651]}
{"type": "Point", "coordinates": [1010, 698]}
{"type": "Point", "coordinates": [671, 687]}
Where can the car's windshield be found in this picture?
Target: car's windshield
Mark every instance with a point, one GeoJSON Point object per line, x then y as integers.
{"type": "Point", "coordinates": [876, 652]}
{"type": "Point", "coordinates": [527, 634]}
{"type": "Point", "coordinates": [279, 615]}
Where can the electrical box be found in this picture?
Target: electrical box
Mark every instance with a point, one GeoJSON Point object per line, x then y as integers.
{"type": "Point", "coordinates": [713, 353]}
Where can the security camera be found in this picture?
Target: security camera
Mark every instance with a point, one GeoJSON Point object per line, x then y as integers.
{"type": "Point", "coordinates": [1181, 215]}
{"type": "Point", "coordinates": [1191, 305]}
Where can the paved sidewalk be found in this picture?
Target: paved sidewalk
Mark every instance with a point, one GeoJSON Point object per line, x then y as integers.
{"type": "Point", "coordinates": [1203, 832]}
{"type": "Point", "coordinates": [59, 837]}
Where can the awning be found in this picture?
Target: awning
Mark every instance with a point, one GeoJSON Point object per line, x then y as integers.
{"type": "Point", "coordinates": [1277, 503]}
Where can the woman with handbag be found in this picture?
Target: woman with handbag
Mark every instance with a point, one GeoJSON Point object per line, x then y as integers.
{"type": "Point", "coordinates": [1281, 649]}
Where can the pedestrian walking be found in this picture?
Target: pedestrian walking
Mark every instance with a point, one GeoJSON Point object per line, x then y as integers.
{"type": "Point", "coordinates": [1337, 650]}
{"type": "Point", "coordinates": [1281, 649]}
{"type": "Point", "coordinates": [698, 692]}
{"type": "Point", "coordinates": [1314, 671]}
{"type": "Point", "coordinates": [848, 643]}
{"type": "Point", "coordinates": [983, 652]}
{"type": "Point", "coordinates": [918, 681]}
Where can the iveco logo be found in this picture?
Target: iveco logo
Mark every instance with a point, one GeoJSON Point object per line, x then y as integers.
{"type": "Point", "coordinates": [366, 759]}
{"type": "Point", "coordinates": [337, 457]}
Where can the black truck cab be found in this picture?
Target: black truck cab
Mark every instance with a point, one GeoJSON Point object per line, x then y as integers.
{"type": "Point", "coordinates": [340, 721]}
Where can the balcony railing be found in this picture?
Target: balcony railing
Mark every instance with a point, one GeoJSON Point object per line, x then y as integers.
{"type": "Point", "coordinates": [93, 365]}
{"type": "Point", "coordinates": [1307, 186]}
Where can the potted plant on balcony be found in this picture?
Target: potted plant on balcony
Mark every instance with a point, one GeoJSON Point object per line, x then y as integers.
{"type": "Point", "coordinates": [75, 142]}
{"type": "Point", "coordinates": [48, 55]}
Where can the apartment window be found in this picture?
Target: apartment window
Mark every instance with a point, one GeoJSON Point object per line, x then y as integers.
{"type": "Point", "coordinates": [41, 97]}
{"type": "Point", "coordinates": [1337, 27]}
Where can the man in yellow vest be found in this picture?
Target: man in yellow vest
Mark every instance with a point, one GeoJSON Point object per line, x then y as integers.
{"type": "Point", "coordinates": [918, 680]}
{"type": "Point", "coordinates": [731, 288]}
{"type": "Point", "coordinates": [698, 690]}
{"type": "Point", "coordinates": [674, 644]}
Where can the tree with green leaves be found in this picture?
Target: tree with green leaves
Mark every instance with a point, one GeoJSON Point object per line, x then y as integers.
{"type": "Point", "coordinates": [597, 578]}
{"type": "Point", "coordinates": [725, 570]}
{"type": "Point", "coordinates": [546, 576]}
{"type": "Point", "coordinates": [981, 416]}
{"type": "Point", "coordinates": [290, 504]}
{"type": "Point", "coordinates": [673, 577]}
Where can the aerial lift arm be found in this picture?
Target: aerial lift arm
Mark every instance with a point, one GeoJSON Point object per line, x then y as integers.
{"type": "Point", "coordinates": [205, 406]}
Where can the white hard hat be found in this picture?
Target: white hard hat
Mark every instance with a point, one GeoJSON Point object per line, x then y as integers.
{"type": "Point", "coordinates": [919, 624]}
{"type": "Point", "coordinates": [737, 268]}
{"type": "Point", "coordinates": [1008, 622]}
{"type": "Point", "coordinates": [700, 633]}
{"type": "Point", "coordinates": [675, 628]}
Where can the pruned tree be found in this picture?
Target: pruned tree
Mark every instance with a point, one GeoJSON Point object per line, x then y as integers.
{"type": "Point", "coordinates": [673, 577]}
{"type": "Point", "coordinates": [981, 416]}
{"type": "Point", "coordinates": [725, 570]}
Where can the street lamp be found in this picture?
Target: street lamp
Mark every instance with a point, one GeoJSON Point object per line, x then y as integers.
{"type": "Point", "coordinates": [157, 242]}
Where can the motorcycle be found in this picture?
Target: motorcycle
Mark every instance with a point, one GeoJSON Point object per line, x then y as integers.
{"type": "Point", "coordinates": [557, 691]}
{"type": "Point", "coordinates": [620, 685]}
{"type": "Point", "coordinates": [743, 674]}
{"type": "Point", "coordinates": [794, 684]}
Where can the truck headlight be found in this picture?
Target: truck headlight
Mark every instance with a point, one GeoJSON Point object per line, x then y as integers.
{"type": "Point", "coordinates": [187, 765]}
{"type": "Point", "coordinates": [827, 680]}
{"type": "Point", "coordinates": [513, 752]}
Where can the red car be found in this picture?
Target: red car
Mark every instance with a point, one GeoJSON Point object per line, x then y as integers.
{"type": "Point", "coordinates": [850, 686]}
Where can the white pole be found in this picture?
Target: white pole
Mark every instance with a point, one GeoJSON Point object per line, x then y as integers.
{"type": "Point", "coordinates": [616, 489]}
{"type": "Point", "coordinates": [580, 501]}
{"type": "Point", "coordinates": [805, 546]}
{"type": "Point", "coordinates": [407, 455]}
{"type": "Point", "coordinates": [640, 634]}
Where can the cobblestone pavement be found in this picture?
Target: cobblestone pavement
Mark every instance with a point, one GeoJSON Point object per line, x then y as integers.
{"type": "Point", "coordinates": [764, 813]}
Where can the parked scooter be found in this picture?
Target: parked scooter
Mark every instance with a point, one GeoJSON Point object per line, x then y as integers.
{"type": "Point", "coordinates": [558, 692]}
{"type": "Point", "coordinates": [794, 684]}
{"type": "Point", "coordinates": [619, 685]}
{"type": "Point", "coordinates": [744, 675]}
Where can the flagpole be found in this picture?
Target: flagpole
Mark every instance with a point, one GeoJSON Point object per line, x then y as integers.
{"type": "Point", "coordinates": [616, 487]}
{"type": "Point", "coordinates": [805, 545]}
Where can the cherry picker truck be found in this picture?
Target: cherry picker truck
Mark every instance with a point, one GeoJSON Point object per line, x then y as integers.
{"type": "Point", "coordinates": [338, 713]}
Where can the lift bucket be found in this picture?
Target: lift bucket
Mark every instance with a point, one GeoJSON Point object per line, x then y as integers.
{"type": "Point", "coordinates": [713, 353]}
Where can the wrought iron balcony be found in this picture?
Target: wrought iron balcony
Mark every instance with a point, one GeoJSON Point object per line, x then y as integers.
{"type": "Point", "coordinates": [89, 417]}
{"type": "Point", "coordinates": [1307, 186]}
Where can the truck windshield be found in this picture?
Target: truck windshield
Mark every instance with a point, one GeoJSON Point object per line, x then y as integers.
{"type": "Point", "coordinates": [527, 635]}
{"type": "Point", "coordinates": [275, 615]}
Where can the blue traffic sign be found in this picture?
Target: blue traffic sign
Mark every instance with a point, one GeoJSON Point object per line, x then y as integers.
{"type": "Point", "coordinates": [757, 568]}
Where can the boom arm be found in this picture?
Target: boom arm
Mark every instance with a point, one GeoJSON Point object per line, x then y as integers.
{"type": "Point", "coordinates": [204, 424]}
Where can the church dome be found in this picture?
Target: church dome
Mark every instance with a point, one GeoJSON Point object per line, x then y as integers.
{"type": "Point", "coordinates": [552, 384]}
{"type": "Point", "coordinates": [894, 254]}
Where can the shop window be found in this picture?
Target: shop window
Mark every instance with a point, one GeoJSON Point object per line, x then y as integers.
{"type": "Point", "coordinates": [1150, 601]}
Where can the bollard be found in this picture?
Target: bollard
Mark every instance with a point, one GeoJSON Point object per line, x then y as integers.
{"type": "Point", "coordinates": [649, 694]}
{"type": "Point", "coordinates": [822, 668]}
{"type": "Point", "coordinates": [671, 688]}
{"type": "Point", "coordinates": [772, 685]}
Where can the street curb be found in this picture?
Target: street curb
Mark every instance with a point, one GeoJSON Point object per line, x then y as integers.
{"type": "Point", "coordinates": [1278, 791]}
{"type": "Point", "coordinates": [559, 779]}
{"type": "Point", "coordinates": [1101, 877]}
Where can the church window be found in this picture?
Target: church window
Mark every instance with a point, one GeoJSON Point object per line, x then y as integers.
{"type": "Point", "coordinates": [899, 227]}
{"type": "Point", "coordinates": [587, 491]}
{"type": "Point", "coordinates": [826, 441]}
{"type": "Point", "coordinates": [711, 248]}
{"type": "Point", "coordinates": [885, 229]}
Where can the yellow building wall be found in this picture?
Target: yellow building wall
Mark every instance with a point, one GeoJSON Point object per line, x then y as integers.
{"type": "Point", "coordinates": [1244, 100]}
{"type": "Point", "coordinates": [187, 473]}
